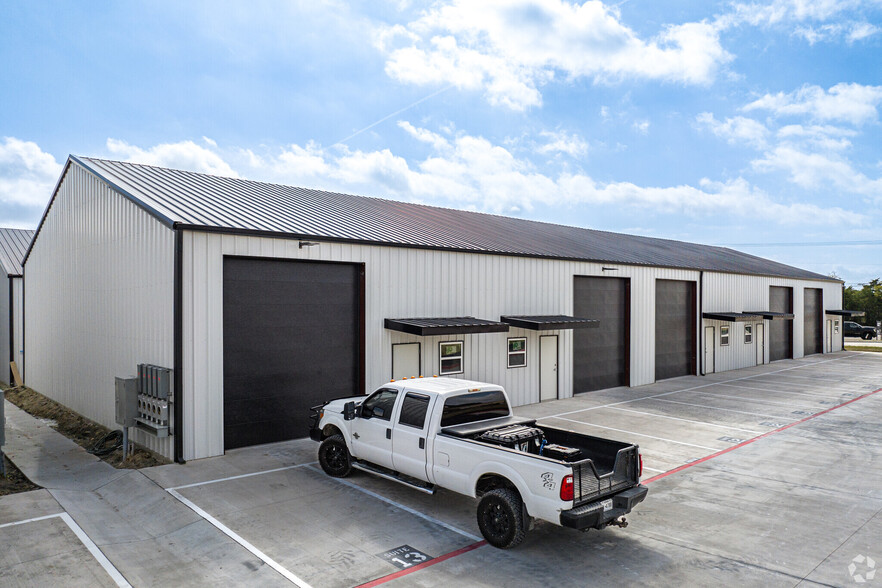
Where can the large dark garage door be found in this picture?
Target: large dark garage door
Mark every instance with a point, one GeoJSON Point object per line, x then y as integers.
{"type": "Point", "coordinates": [600, 356]}
{"type": "Point", "coordinates": [780, 331]}
{"type": "Point", "coordinates": [813, 334]}
{"type": "Point", "coordinates": [292, 339]}
{"type": "Point", "coordinates": [674, 329]}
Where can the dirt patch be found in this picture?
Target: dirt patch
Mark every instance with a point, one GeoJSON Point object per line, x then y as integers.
{"type": "Point", "coordinates": [15, 481]}
{"type": "Point", "coordinates": [79, 429]}
{"type": "Point", "coordinates": [861, 348]}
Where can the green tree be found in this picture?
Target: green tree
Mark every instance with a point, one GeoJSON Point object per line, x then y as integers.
{"type": "Point", "coordinates": [868, 299]}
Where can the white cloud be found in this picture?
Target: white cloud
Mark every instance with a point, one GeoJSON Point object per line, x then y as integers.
{"type": "Point", "coordinates": [853, 103]}
{"type": "Point", "coordinates": [815, 171]}
{"type": "Point", "coordinates": [735, 130]}
{"type": "Point", "coordinates": [778, 11]}
{"type": "Point", "coordinates": [824, 137]}
{"type": "Point", "coordinates": [563, 142]}
{"type": "Point", "coordinates": [641, 126]}
{"type": "Point", "coordinates": [851, 32]}
{"type": "Point", "coordinates": [510, 48]}
{"type": "Point", "coordinates": [425, 136]}
{"type": "Point", "coordinates": [27, 173]}
{"type": "Point", "coordinates": [182, 155]}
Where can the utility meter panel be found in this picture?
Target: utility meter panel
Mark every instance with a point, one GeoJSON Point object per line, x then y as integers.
{"type": "Point", "coordinates": [126, 401]}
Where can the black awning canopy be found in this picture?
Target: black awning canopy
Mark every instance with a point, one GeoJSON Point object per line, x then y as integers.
{"type": "Point", "coordinates": [771, 315]}
{"type": "Point", "coordinates": [732, 317]}
{"type": "Point", "coordinates": [549, 322]}
{"type": "Point", "coordinates": [848, 313]}
{"type": "Point", "coordinates": [462, 325]}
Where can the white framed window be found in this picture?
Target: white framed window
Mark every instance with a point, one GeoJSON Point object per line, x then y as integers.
{"type": "Point", "coordinates": [724, 335]}
{"type": "Point", "coordinates": [748, 334]}
{"type": "Point", "coordinates": [517, 352]}
{"type": "Point", "coordinates": [450, 356]}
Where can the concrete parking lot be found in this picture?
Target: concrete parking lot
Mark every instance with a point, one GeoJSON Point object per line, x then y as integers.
{"type": "Point", "coordinates": [766, 476]}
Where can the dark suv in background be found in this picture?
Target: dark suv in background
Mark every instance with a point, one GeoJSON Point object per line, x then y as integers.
{"type": "Point", "coordinates": [852, 329]}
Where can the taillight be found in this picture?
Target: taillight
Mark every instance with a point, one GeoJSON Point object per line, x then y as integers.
{"type": "Point", "coordinates": [566, 488]}
{"type": "Point", "coordinates": [640, 461]}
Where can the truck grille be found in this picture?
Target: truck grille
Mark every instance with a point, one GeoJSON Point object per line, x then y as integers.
{"type": "Point", "coordinates": [589, 486]}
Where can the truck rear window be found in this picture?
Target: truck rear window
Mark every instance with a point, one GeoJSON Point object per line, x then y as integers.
{"type": "Point", "coordinates": [477, 406]}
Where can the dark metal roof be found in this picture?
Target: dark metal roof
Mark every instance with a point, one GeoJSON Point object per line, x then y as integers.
{"type": "Point", "coordinates": [445, 326]}
{"type": "Point", "coordinates": [846, 312]}
{"type": "Point", "coordinates": [202, 202]}
{"type": "Point", "coordinates": [732, 317]}
{"type": "Point", "coordinates": [13, 246]}
{"type": "Point", "coordinates": [549, 322]}
{"type": "Point", "coordinates": [770, 315]}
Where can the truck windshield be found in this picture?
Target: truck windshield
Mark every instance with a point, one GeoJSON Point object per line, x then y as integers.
{"type": "Point", "coordinates": [477, 406]}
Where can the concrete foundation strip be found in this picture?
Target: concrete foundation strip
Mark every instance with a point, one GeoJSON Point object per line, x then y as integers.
{"type": "Point", "coordinates": [99, 556]}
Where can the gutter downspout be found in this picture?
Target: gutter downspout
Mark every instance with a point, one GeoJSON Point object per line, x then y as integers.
{"type": "Point", "coordinates": [179, 346]}
{"type": "Point", "coordinates": [701, 322]}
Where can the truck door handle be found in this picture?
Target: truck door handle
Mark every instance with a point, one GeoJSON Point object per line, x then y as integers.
{"type": "Point", "coordinates": [388, 433]}
{"type": "Point", "coordinates": [422, 443]}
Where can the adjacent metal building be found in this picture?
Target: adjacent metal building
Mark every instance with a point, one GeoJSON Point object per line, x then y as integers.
{"type": "Point", "coordinates": [13, 245]}
{"type": "Point", "coordinates": [267, 299]}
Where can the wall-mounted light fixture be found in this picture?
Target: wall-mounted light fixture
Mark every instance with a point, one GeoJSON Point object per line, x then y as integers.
{"type": "Point", "coordinates": [308, 244]}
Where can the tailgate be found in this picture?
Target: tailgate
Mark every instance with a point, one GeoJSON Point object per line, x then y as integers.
{"type": "Point", "coordinates": [589, 486]}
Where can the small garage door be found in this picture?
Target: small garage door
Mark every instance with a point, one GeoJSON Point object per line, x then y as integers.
{"type": "Point", "coordinates": [674, 329]}
{"type": "Point", "coordinates": [813, 334]}
{"type": "Point", "coordinates": [292, 339]}
{"type": "Point", "coordinates": [780, 331]}
{"type": "Point", "coordinates": [600, 356]}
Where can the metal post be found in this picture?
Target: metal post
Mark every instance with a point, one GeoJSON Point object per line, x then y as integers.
{"type": "Point", "coordinates": [125, 442]}
{"type": "Point", "coordinates": [2, 464]}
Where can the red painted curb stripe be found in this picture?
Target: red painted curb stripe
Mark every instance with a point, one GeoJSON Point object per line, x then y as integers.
{"type": "Point", "coordinates": [757, 438]}
{"type": "Point", "coordinates": [421, 566]}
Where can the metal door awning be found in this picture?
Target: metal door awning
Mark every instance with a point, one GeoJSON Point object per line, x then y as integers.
{"type": "Point", "coordinates": [733, 317]}
{"type": "Point", "coordinates": [848, 313]}
{"type": "Point", "coordinates": [770, 315]}
{"type": "Point", "coordinates": [463, 325]}
{"type": "Point", "coordinates": [549, 322]}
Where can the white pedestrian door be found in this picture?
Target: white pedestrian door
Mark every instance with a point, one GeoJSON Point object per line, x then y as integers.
{"type": "Point", "coordinates": [829, 336]}
{"type": "Point", "coordinates": [548, 367]}
{"type": "Point", "coordinates": [405, 360]}
{"type": "Point", "coordinates": [709, 341]}
{"type": "Point", "coordinates": [760, 344]}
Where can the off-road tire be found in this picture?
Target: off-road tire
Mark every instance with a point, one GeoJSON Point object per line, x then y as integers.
{"type": "Point", "coordinates": [333, 456]}
{"type": "Point", "coordinates": [500, 518]}
{"type": "Point", "coordinates": [866, 336]}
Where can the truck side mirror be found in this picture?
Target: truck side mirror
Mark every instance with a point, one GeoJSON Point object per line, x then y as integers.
{"type": "Point", "coordinates": [349, 411]}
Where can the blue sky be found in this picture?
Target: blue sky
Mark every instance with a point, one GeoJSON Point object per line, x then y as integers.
{"type": "Point", "coordinates": [750, 124]}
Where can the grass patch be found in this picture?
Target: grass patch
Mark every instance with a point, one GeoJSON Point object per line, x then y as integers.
{"type": "Point", "coordinates": [867, 348]}
{"type": "Point", "coordinates": [79, 429]}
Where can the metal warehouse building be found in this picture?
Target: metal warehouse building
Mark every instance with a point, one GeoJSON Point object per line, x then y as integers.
{"type": "Point", "coordinates": [13, 245]}
{"type": "Point", "coordinates": [267, 299]}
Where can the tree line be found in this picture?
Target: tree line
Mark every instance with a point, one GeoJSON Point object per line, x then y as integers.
{"type": "Point", "coordinates": [868, 298]}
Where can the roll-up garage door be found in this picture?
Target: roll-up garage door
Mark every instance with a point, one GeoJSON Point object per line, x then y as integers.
{"type": "Point", "coordinates": [813, 334]}
{"type": "Point", "coordinates": [674, 329]}
{"type": "Point", "coordinates": [780, 331]}
{"type": "Point", "coordinates": [601, 355]}
{"type": "Point", "coordinates": [292, 339]}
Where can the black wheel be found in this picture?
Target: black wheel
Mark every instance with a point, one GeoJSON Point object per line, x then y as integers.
{"type": "Point", "coordinates": [866, 336]}
{"type": "Point", "coordinates": [334, 457]}
{"type": "Point", "coordinates": [499, 518]}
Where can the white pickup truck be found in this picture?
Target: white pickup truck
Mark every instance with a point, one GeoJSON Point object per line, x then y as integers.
{"type": "Point", "coordinates": [462, 435]}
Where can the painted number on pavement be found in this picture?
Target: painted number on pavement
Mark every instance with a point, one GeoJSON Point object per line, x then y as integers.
{"type": "Point", "coordinates": [405, 556]}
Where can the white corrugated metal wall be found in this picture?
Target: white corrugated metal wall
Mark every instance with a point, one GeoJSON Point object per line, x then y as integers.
{"type": "Point", "coordinates": [18, 323]}
{"type": "Point", "coordinates": [738, 293]}
{"type": "Point", "coordinates": [98, 299]}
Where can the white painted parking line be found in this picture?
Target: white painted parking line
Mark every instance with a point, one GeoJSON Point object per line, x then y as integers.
{"type": "Point", "coordinates": [664, 416]}
{"type": "Point", "coordinates": [87, 542]}
{"type": "Point", "coordinates": [795, 367]}
{"type": "Point", "coordinates": [760, 400]}
{"type": "Point", "coordinates": [412, 511]}
{"type": "Point", "coordinates": [248, 546]}
{"type": "Point", "coordinates": [778, 391]}
{"type": "Point", "coordinates": [242, 476]}
{"type": "Point", "coordinates": [649, 469]}
{"type": "Point", "coordinates": [638, 434]}
{"type": "Point", "coordinates": [768, 416]}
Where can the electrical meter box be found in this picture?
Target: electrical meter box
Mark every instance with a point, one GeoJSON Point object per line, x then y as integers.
{"type": "Point", "coordinates": [126, 401]}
